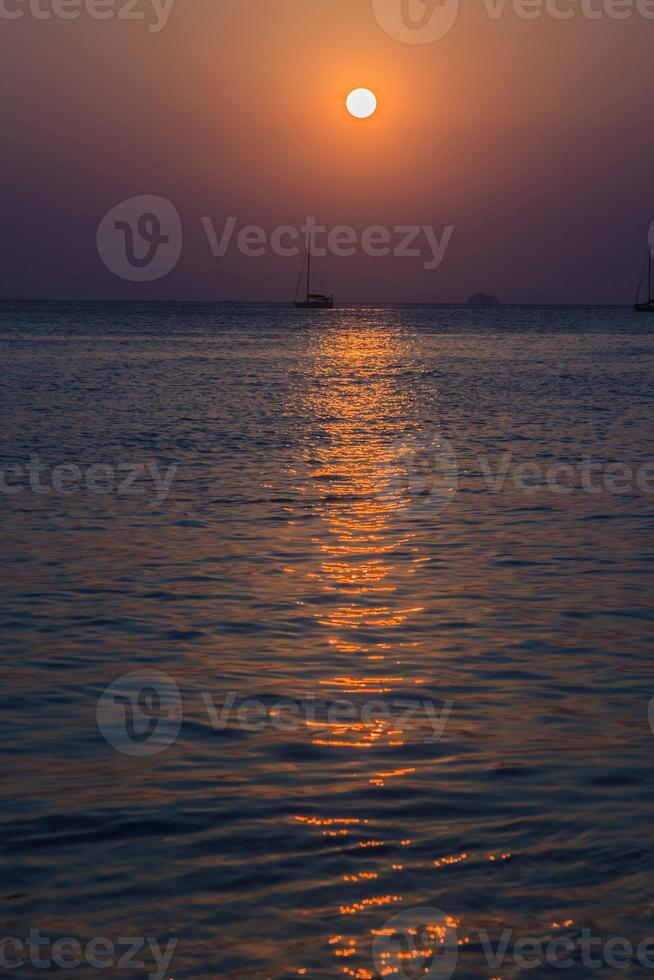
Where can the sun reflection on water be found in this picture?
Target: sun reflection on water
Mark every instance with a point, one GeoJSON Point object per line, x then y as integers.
{"type": "Point", "coordinates": [367, 557]}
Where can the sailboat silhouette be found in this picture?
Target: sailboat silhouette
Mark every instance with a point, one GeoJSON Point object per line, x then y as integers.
{"type": "Point", "coordinates": [313, 301]}
{"type": "Point", "coordinates": [648, 305]}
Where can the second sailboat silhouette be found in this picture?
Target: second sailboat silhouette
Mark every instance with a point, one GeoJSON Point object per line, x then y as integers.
{"type": "Point", "coordinates": [648, 305]}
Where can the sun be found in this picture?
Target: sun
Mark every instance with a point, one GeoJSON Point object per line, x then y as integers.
{"type": "Point", "coordinates": [361, 103]}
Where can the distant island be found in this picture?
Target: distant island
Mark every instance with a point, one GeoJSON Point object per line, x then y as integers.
{"type": "Point", "coordinates": [483, 299]}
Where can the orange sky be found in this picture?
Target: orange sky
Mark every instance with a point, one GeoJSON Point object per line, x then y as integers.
{"type": "Point", "coordinates": [531, 138]}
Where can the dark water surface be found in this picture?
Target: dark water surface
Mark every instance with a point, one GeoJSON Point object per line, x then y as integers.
{"type": "Point", "coordinates": [330, 533]}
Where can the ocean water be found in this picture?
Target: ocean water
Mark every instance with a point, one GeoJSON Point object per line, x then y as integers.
{"type": "Point", "coordinates": [329, 650]}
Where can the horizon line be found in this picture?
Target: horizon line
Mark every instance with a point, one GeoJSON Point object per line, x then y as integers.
{"type": "Point", "coordinates": [289, 304]}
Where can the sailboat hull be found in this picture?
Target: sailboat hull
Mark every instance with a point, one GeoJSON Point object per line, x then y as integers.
{"type": "Point", "coordinates": [644, 307]}
{"type": "Point", "coordinates": [327, 304]}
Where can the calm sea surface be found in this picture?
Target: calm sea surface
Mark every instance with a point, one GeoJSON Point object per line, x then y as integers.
{"type": "Point", "coordinates": [446, 653]}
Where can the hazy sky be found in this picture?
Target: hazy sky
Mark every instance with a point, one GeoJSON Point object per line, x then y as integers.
{"type": "Point", "coordinates": [532, 138]}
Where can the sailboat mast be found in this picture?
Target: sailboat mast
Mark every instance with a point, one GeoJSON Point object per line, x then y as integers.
{"type": "Point", "coordinates": [308, 267]}
{"type": "Point", "coordinates": [649, 280]}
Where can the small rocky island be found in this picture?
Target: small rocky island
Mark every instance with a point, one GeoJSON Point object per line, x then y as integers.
{"type": "Point", "coordinates": [483, 299]}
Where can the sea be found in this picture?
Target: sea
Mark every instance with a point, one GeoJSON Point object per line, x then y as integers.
{"type": "Point", "coordinates": [327, 641]}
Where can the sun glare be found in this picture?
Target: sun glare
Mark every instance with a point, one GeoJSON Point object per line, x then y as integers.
{"type": "Point", "coordinates": [361, 103]}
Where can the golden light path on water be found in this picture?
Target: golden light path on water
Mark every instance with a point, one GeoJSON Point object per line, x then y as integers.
{"type": "Point", "coordinates": [368, 555]}
{"type": "Point", "coordinates": [362, 520]}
